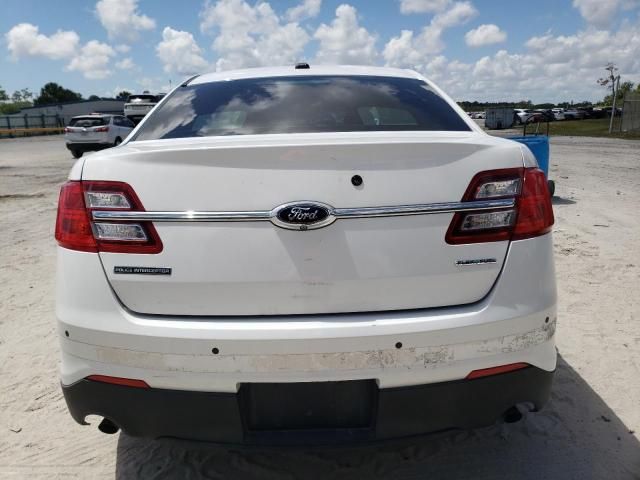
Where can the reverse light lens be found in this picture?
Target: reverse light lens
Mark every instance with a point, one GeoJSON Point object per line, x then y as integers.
{"type": "Point", "coordinates": [124, 232]}
{"type": "Point", "coordinates": [488, 220]}
{"type": "Point", "coordinates": [500, 188]}
{"type": "Point", "coordinates": [107, 200]}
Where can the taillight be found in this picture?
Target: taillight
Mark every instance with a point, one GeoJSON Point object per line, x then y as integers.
{"type": "Point", "coordinates": [101, 129]}
{"type": "Point", "coordinates": [530, 216]}
{"type": "Point", "coordinates": [73, 228]}
{"type": "Point", "coordinates": [76, 230]}
{"type": "Point", "coordinates": [67, 130]}
{"type": "Point", "coordinates": [535, 213]}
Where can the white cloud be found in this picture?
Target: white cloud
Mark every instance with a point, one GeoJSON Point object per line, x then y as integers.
{"type": "Point", "coordinates": [459, 14]}
{"type": "Point", "coordinates": [485, 35]}
{"type": "Point", "coordinates": [345, 41]}
{"type": "Point", "coordinates": [122, 48]}
{"type": "Point", "coordinates": [250, 36]}
{"type": "Point", "coordinates": [601, 12]}
{"type": "Point", "coordinates": [400, 51]}
{"type": "Point", "coordinates": [122, 20]}
{"type": "Point", "coordinates": [554, 68]}
{"type": "Point", "coordinates": [93, 60]}
{"type": "Point", "coordinates": [25, 40]}
{"type": "Point", "coordinates": [409, 50]}
{"type": "Point", "coordinates": [154, 85]}
{"type": "Point", "coordinates": [307, 9]}
{"type": "Point", "coordinates": [423, 6]}
{"type": "Point", "coordinates": [125, 64]}
{"type": "Point", "coordinates": [180, 53]}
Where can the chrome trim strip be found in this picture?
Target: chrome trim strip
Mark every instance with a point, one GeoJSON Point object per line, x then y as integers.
{"type": "Point", "coordinates": [424, 209]}
{"type": "Point", "coordinates": [183, 216]}
{"type": "Point", "coordinates": [337, 213]}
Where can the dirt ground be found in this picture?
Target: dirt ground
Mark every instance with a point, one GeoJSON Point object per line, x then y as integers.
{"type": "Point", "coordinates": [589, 430]}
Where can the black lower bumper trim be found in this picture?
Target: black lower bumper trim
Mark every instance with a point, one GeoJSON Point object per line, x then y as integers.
{"type": "Point", "coordinates": [87, 147]}
{"type": "Point", "coordinates": [374, 414]}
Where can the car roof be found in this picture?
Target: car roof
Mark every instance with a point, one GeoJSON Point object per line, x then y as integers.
{"type": "Point", "coordinates": [313, 70]}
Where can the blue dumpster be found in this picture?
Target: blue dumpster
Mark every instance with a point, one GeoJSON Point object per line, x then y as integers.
{"type": "Point", "coordinates": [539, 146]}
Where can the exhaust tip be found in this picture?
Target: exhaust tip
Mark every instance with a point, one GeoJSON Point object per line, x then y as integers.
{"type": "Point", "coordinates": [108, 427]}
{"type": "Point", "coordinates": [512, 415]}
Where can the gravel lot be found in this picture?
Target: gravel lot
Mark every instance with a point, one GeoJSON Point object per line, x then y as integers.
{"type": "Point", "coordinates": [590, 429]}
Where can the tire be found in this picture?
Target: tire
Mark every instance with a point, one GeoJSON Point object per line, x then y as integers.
{"type": "Point", "coordinates": [552, 187]}
{"type": "Point", "coordinates": [76, 153]}
{"type": "Point", "coordinates": [117, 142]}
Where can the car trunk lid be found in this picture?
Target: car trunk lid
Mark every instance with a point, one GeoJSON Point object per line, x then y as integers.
{"type": "Point", "coordinates": [352, 265]}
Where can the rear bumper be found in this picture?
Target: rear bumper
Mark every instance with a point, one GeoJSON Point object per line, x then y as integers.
{"type": "Point", "coordinates": [514, 323]}
{"type": "Point", "coordinates": [87, 147]}
{"type": "Point", "coordinates": [390, 413]}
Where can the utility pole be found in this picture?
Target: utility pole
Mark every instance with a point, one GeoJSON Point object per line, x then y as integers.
{"type": "Point", "coordinates": [614, 81]}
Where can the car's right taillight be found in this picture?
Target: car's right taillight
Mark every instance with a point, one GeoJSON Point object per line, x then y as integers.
{"type": "Point", "coordinates": [531, 214]}
{"type": "Point", "coordinates": [76, 230]}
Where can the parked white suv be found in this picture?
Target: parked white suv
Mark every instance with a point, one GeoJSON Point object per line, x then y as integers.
{"type": "Point", "coordinates": [295, 255]}
{"type": "Point", "coordinates": [87, 133]}
{"type": "Point", "coordinates": [137, 106]}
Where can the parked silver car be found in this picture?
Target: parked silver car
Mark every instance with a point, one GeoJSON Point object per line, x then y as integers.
{"type": "Point", "coordinates": [87, 133]}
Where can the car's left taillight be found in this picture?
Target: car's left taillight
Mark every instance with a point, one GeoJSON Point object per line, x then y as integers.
{"type": "Point", "coordinates": [76, 230]}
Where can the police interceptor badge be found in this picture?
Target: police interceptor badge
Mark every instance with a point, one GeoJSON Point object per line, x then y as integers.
{"type": "Point", "coordinates": [142, 270]}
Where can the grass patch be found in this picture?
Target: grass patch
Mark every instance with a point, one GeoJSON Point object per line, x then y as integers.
{"type": "Point", "coordinates": [597, 127]}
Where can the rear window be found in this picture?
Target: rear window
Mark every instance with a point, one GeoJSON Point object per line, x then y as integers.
{"type": "Point", "coordinates": [88, 122]}
{"type": "Point", "coordinates": [301, 105]}
{"type": "Point", "coordinates": [142, 98]}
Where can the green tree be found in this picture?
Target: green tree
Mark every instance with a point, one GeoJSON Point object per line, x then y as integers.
{"type": "Point", "coordinates": [94, 97]}
{"type": "Point", "coordinates": [54, 93]}
{"type": "Point", "coordinates": [123, 95]}
{"type": "Point", "coordinates": [3, 94]}
{"type": "Point", "coordinates": [27, 95]}
{"type": "Point", "coordinates": [23, 95]}
{"type": "Point", "coordinates": [625, 87]}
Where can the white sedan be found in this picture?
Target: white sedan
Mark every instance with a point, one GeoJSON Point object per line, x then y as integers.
{"type": "Point", "coordinates": [308, 254]}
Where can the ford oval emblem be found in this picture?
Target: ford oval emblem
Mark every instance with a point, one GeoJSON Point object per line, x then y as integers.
{"type": "Point", "coordinates": [303, 215]}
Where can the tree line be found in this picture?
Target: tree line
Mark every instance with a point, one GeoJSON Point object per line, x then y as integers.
{"type": "Point", "coordinates": [54, 93]}
{"type": "Point", "coordinates": [50, 93]}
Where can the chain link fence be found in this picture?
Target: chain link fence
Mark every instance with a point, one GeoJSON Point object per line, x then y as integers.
{"type": "Point", "coordinates": [630, 112]}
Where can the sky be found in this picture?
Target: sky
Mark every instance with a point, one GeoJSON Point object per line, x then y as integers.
{"type": "Point", "coordinates": [485, 50]}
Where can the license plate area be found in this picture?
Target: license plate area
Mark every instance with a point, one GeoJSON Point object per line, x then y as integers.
{"type": "Point", "coordinates": [308, 406]}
